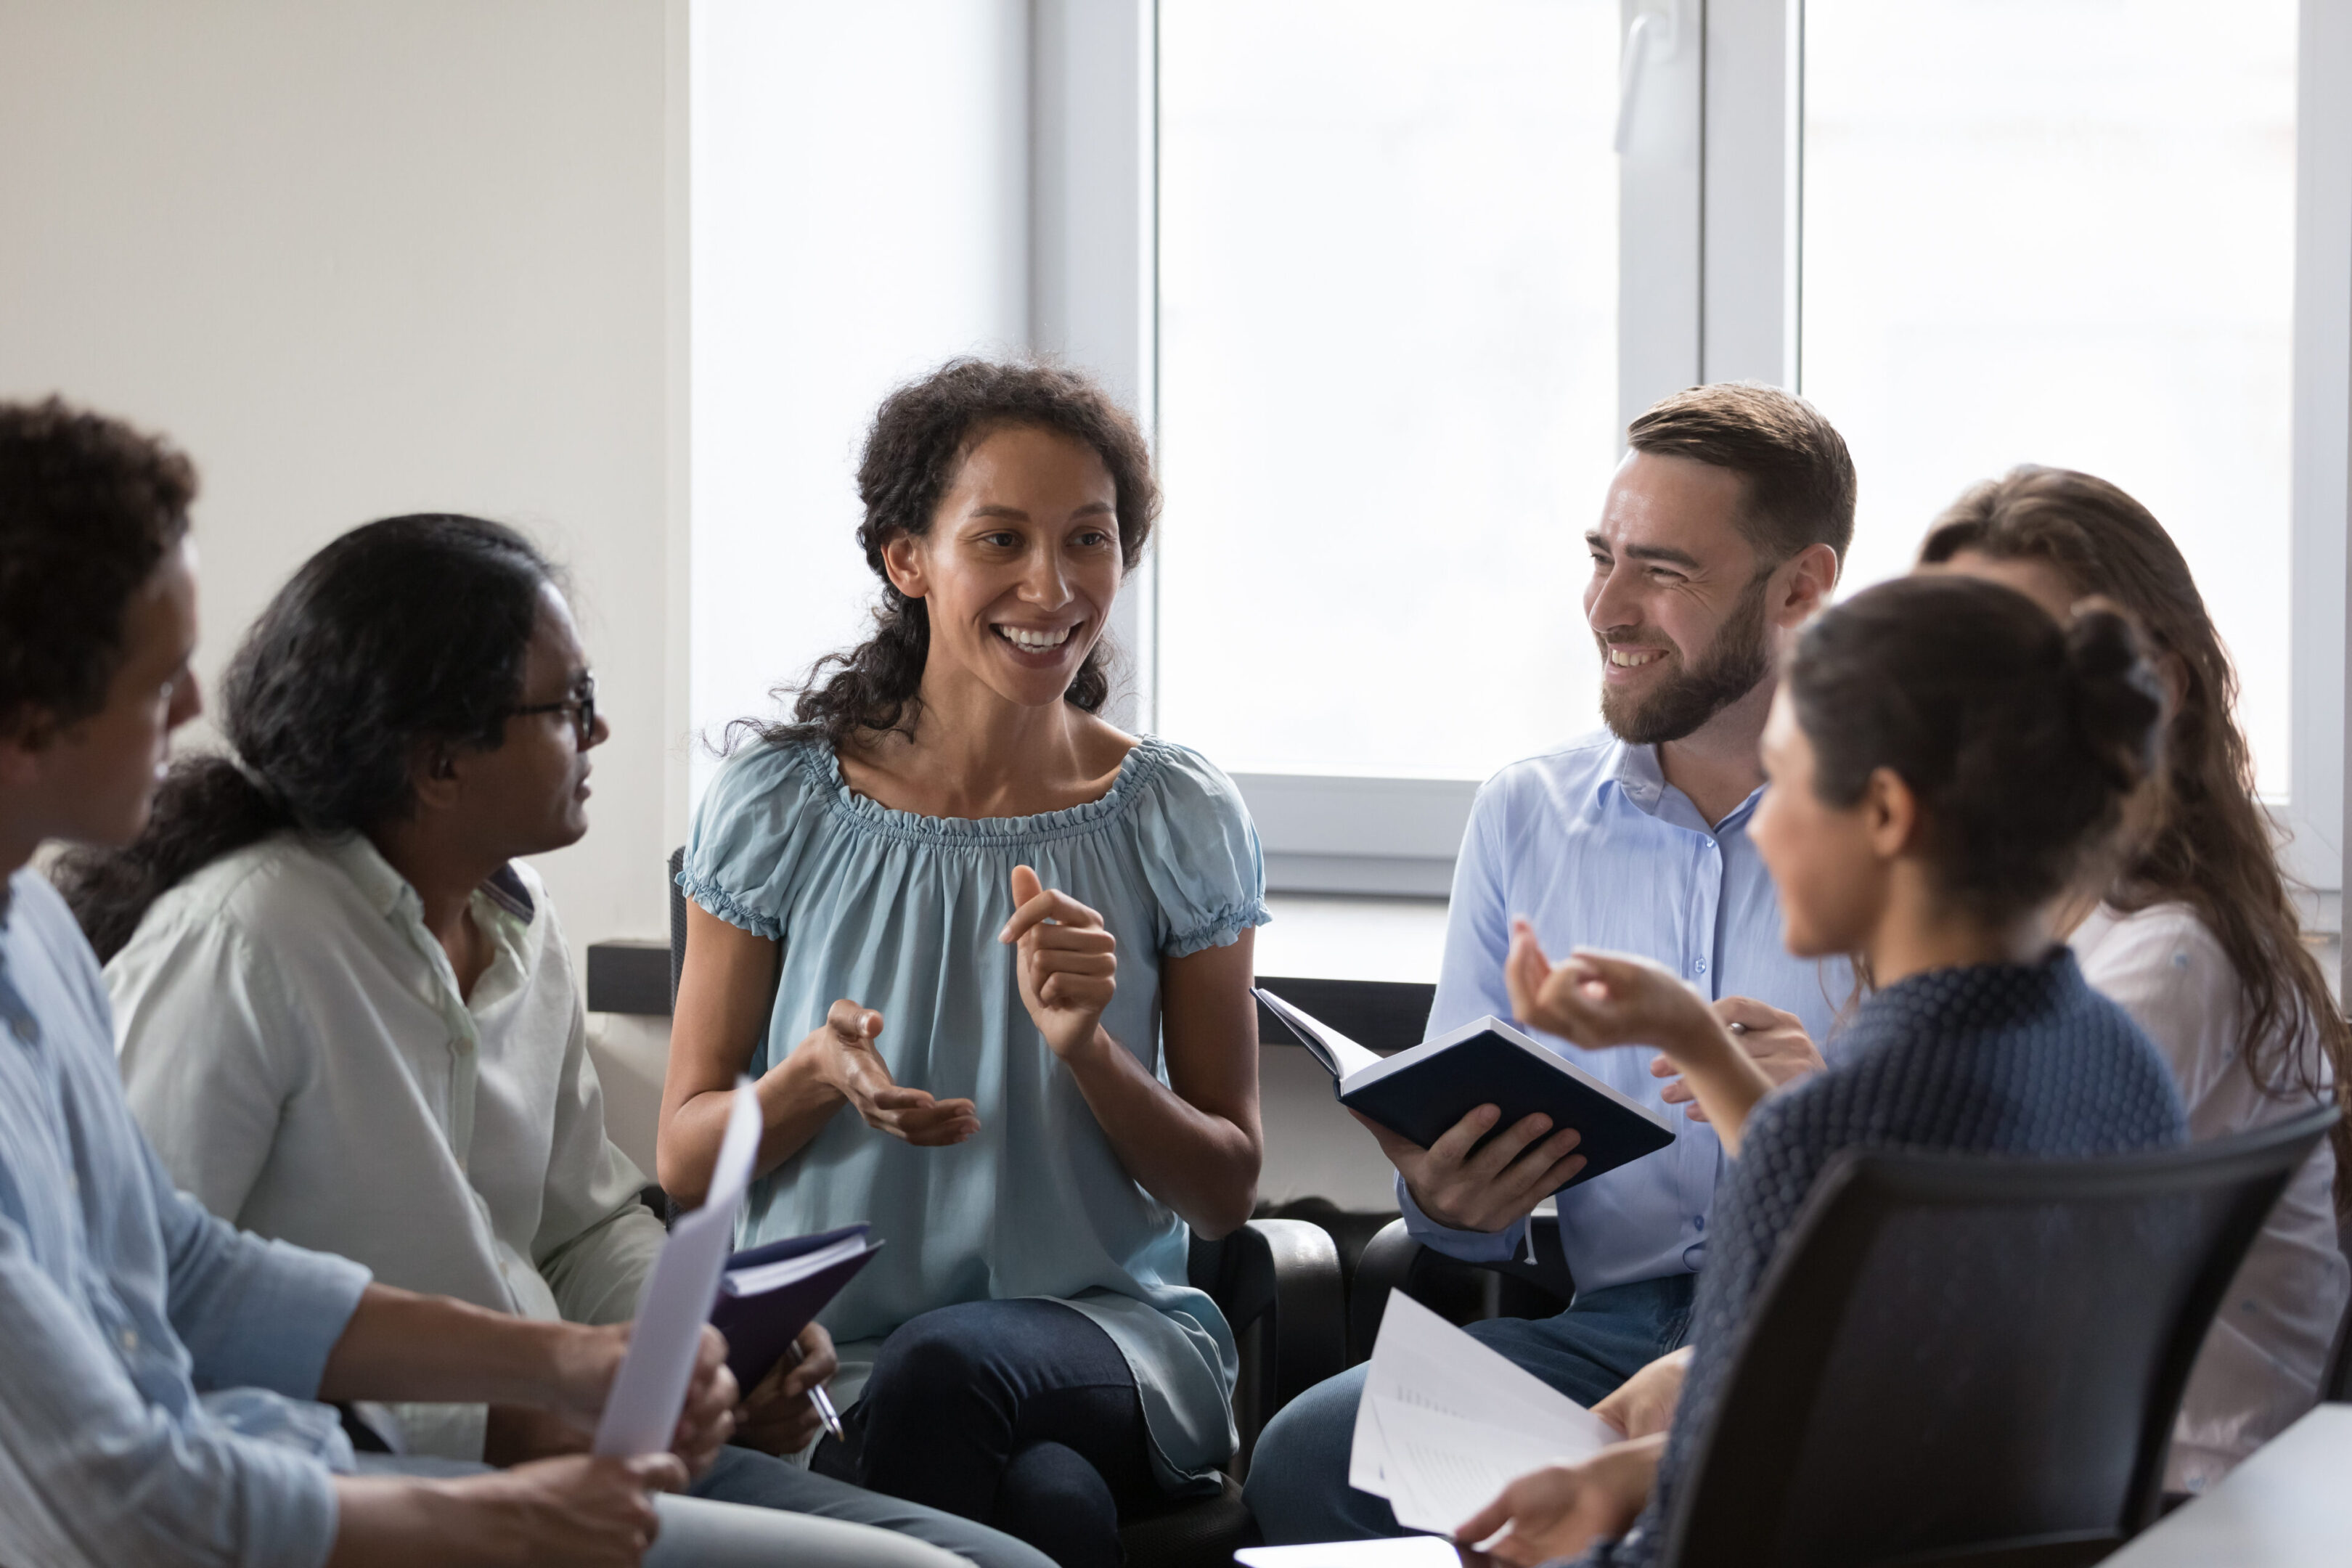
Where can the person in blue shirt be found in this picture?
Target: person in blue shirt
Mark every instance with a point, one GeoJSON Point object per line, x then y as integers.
{"type": "Point", "coordinates": [166, 1373]}
{"type": "Point", "coordinates": [988, 958]}
{"type": "Point", "coordinates": [1722, 534]}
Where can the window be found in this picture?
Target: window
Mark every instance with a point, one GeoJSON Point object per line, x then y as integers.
{"type": "Point", "coordinates": [1388, 377]}
{"type": "Point", "coordinates": [1408, 297]}
{"type": "Point", "coordinates": [2080, 252]}
{"type": "Point", "coordinates": [1381, 279]}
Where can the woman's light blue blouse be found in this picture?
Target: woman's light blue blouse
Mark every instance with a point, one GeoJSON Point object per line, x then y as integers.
{"type": "Point", "coordinates": [899, 913]}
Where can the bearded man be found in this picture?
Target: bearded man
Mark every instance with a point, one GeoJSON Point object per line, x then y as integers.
{"type": "Point", "coordinates": [1722, 533]}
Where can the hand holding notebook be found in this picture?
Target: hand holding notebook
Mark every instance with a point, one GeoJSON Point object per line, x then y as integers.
{"type": "Point", "coordinates": [1424, 1094]}
{"type": "Point", "coordinates": [769, 1294]}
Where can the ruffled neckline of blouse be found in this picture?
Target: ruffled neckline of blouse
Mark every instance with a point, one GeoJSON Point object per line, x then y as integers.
{"type": "Point", "coordinates": [1142, 764]}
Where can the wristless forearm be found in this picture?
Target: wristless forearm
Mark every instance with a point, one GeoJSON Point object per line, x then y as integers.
{"type": "Point", "coordinates": [402, 1346]}
{"type": "Point", "coordinates": [797, 1097]}
{"type": "Point", "coordinates": [1727, 1080]}
{"type": "Point", "coordinates": [1202, 1166]}
{"type": "Point", "coordinates": [397, 1522]}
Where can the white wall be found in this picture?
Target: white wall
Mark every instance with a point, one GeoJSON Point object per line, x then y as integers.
{"type": "Point", "coordinates": [368, 258]}
{"type": "Point", "coordinates": [860, 214]}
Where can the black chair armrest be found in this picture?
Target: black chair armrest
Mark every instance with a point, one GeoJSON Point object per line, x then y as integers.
{"type": "Point", "coordinates": [1387, 1265]}
{"type": "Point", "coordinates": [1279, 1278]}
{"type": "Point", "coordinates": [1509, 1288]}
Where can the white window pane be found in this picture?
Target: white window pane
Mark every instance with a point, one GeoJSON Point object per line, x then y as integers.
{"type": "Point", "coordinates": [2062, 231]}
{"type": "Point", "coordinates": [1388, 278]}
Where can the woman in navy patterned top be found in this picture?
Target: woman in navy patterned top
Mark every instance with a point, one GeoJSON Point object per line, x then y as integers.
{"type": "Point", "coordinates": [1944, 760]}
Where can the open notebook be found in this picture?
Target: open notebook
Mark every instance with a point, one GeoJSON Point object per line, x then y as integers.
{"type": "Point", "coordinates": [1422, 1092]}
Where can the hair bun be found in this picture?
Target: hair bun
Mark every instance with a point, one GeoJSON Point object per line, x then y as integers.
{"type": "Point", "coordinates": [2118, 701]}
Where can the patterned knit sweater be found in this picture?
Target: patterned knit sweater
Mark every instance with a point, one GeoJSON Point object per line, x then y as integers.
{"type": "Point", "coordinates": [2018, 1059]}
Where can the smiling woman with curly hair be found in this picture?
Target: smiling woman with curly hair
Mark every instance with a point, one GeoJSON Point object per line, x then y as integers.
{"type": "Point", "coordinates": [989, 959]}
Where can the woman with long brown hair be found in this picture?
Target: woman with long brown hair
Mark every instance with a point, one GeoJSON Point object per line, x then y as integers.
{"type": "Point", "coordinates": [2196, 935]}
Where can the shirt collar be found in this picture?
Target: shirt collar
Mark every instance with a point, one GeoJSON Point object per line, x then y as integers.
{"type": "Point", "coordinates": [390, 893]}
{"type": "Point", "coordinates": [1642, 780]}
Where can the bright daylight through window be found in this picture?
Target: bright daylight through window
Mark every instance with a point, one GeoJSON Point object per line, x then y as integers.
{"type": "Point", "coordinates": [2062, 231]}
{"type": "Point", "coordinates": [1388, 376]}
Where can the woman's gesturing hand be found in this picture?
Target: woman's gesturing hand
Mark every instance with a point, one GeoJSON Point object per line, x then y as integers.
{"type": "Point", "coordinates": [1599, 1000]}
{"type": "Point", "coordinates": [1067, 963]}
{"type": "Point", "coordinates": [1776, 1041]}
{"type": "Point", "coordinates": [845, 1043]}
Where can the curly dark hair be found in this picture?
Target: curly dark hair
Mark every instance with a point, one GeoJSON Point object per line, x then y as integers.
{"type": "Point", "coordinates": [88, 507]}
{"type": "Point", "coordinates": [1966, 690]}
{"type": "Point", "coordinates": [2210, 846]}
{"type": "Point", "coordinates": [921, 435]}
{"type": "Point", "coordinates": [409, 631]}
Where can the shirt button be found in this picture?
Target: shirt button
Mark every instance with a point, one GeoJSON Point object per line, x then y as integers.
{"type": "Point", "coordinates": [1699, 1220]}
{"type": "Point", "coordinates": [1702, 966]}
{"type": "Point", "coordinates": [130, 1339]}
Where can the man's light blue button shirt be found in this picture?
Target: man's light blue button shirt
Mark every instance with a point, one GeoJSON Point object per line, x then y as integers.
{"type": "Point", "coordinates": [1591, 845]}
{"type": "Point", "coordinates": [159, 1361]}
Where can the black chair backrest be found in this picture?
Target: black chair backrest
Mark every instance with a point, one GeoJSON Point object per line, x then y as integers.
{"type": "Point", "coordinates": [2335, 1382]}
{"type": "Point", "coordinates": [1974, 1358]}
{"type": "Point", "coordinates": [676, 921]}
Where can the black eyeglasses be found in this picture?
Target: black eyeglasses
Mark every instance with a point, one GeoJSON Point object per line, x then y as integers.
{"type": "Point", "coordinates": [582, 709]}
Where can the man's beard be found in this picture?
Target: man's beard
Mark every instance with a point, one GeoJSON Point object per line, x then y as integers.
{"type": "Point", "coordinates": [1739, 656]}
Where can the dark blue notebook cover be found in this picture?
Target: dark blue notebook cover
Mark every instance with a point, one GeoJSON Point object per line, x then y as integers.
{"type": "Point", "coordinates": [760, 1329]}
{"type": "Point", "coordinates": [1423, 1092]}
{"type": "Point", "coordinates": [1423, 1099]}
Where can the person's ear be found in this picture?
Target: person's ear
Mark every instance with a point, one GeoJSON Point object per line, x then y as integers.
{"type": "Point", "coordinates": [1890, 814]}
{"type": "Point", "coordinates": [1809, 578]}
{"type": "Point", "coordinates": [24, 734]}
{"type": "Point", "coordinates": [902, 560]}
{"type": "Point", "coordinates": [433, 775]}
{"type": "Point", "coordinates": [20, 763]}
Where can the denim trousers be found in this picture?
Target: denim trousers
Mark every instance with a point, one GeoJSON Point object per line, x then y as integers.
{"type": "Point", "coordinates": [1021, 1415]}
{"type": "Point", "coordinates": [1297, 1484]}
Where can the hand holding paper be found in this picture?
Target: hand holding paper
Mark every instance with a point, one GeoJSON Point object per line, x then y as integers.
{"type": "Point", "coordinates": [1446, 1424]}
{"type": "Point", "coordinates": [673, 1352]}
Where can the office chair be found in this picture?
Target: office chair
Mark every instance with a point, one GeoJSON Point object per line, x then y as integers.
{"type": "Point", "coordinates": [1974, 1361]}
{"type": "Point", "coordinates": [1277, 1282]}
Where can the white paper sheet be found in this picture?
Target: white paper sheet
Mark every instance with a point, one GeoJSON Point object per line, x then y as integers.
{"type": "Point", "coordinates": [649, 1391]}
{"type": "Point", "coordinates": [1443, 1417]}
{"type": "Point", "coordinates": [1407, 1551]}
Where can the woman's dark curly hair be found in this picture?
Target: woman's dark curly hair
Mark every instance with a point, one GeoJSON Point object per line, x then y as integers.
{"type": "Point", "coordinates": [88, 507]}
{"type": "Point", "coordinates": [2022, 738]}
{"type": "Point", "coordinates": [403, 633]}
{"type": "Point", "coordinates": [921, 435]}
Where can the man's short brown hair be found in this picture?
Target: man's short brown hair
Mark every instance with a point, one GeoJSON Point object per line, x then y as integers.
{"type": "Point", "coordinates": [88, 507]}
{"type": "Point", "coordinates": [1801, 484]}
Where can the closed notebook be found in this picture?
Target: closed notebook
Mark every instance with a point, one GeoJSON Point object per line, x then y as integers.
{"type": "Point", "coordinates": [770, 1293]}
{"type": "Point", "coordinates": [1423, 1092]}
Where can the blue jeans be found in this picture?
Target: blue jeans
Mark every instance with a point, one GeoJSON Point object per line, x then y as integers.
{"type": "Point", "coordinates": [1297, 1483]}
{"type": "Point", "coordinates": [1022, 1414]}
